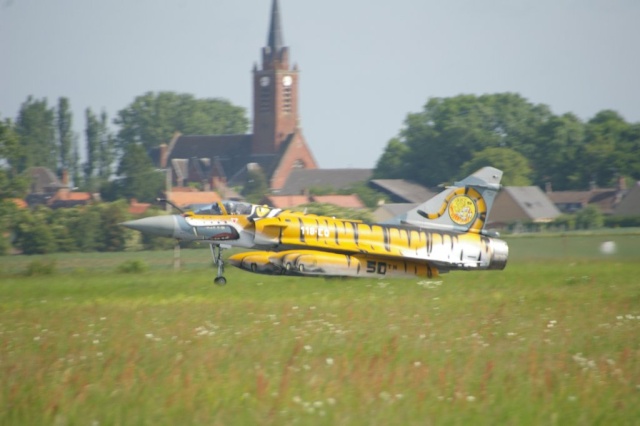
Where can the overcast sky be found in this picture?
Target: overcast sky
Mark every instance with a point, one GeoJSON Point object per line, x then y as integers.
{"type": "Point", "coordinates": [365, 64]}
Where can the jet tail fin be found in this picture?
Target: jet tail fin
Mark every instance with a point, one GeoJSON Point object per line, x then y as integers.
{"type": "Point", "coordinates": [463, 207]}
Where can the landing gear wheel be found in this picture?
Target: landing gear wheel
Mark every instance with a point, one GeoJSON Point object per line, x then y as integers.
{"type": "Point", "coordinates": [216, 253]}
{"type": "Point", "coordinates": [301, 268]}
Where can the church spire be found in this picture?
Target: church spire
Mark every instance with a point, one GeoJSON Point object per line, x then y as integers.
{"type": "Point", "coordinates": [275, 40]}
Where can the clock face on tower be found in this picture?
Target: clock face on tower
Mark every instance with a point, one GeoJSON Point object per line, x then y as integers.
{"type": "Point", "coordinates": [287, 80]}
{"type": "Point", "coordinates": [264, 81]}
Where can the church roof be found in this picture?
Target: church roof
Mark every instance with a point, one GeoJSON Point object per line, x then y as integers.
{"type": "Point", "coordinates": [222, 155]}
{"type": "Point", "coordinates": [211, 146]}
{"type": "Point", "coordinates": [229, 152]}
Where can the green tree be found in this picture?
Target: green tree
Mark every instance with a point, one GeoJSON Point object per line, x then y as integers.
{"type": "Point", "coordinates": [12, 185]}
{"type": "Point", "coordinates": [631, 145]}
{"type": "Point", "coordinates": [589, 217]}
{"type": "Point", "coordinates": [76, 167]}
{"type": "Point", "coordinates": [35, 127]}
{"type": "Point", "coordinates": [393, 162]}
{"type": "Point", "coordinates": [515, 167]}
{"type": "Point", "coordinates": [153, 118]}
{"type": "Point", "coordinates": [113, 235]}
{"type": "Point", "coordinates": [63, 221]}
{"type": "Point", "coordinates": [601, 159]}
{"type": "Point", "coordinates": [92, 132]}
{"type": "Point", "coordinates": [139, 179]}
{"type": "Point", "coordinates": [556, 159]}
{"type": "Point", "coordinates": [434, 144]}
{"type": "Point", "coordinates": [86, 232]}
{"type": "Point", "coordinates": [8, 215]}
{"type": "Point", "coordinates": [256, 186]}
{"type": "Point", "coordinates": [369, 196]}
{"type": "Point", "coordinates": [65, 133]}
{"type": "Point", "coordinates": [10, 148]}
{"type": "Point", "coordinates": [33, 232]}
{"type": "Point", "coordinates": [106, 151]}
{"type": "Point", "coordinates": [449, 131]}
{"type": "Point", "coordinates": [325, 209]}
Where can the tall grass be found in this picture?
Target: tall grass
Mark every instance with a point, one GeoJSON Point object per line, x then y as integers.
{"type": "Point", "coordinates": [543, 342]}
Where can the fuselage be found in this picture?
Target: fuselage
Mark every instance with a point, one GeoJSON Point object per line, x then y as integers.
{"type": "Point", "coordinates": [446, 232]}
{"type": "Point", "coordinates": [319, 245]}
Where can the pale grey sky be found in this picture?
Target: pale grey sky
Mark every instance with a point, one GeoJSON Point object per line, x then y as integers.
{"type": "Point", "coordinates": [365, 64]}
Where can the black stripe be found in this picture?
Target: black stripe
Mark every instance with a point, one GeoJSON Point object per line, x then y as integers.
{"type": "Point", "coordinates": [355, 232]}
{"type": "Point", "coordinates": [301, 232]}
{"type": "Point", "coordinates": [385, 236]}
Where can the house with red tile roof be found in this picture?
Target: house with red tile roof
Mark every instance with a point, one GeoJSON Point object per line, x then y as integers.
{"type": "Point", "coordinates": [137, 208]}
{"type": "Point", "coordinates": [46, 189]}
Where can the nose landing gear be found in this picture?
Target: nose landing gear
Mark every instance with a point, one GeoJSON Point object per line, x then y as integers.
{"type": "Point", "coordinates": [216, 254]}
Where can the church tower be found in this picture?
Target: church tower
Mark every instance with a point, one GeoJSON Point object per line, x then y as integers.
{"type": "Point", "coordinates": [275, 92]}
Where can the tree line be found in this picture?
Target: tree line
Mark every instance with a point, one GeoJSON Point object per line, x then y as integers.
{"type": "Point", "coordinates": [448, 139]}
{"type": "Point", "coordinates": [452, 137]}
{"type": "Point", "coordinates": [95, 227]}
{"type": "Point", "coordinates": [114, 163]}
{"type": "Point", "coordinates": [43, 135]}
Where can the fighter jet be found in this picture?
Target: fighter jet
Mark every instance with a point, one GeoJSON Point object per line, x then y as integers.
{"type": "Point", "coordinates": [443, 234]}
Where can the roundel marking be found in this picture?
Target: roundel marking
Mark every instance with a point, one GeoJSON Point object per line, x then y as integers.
{"type": "Point", "coordinates": [462, 210]}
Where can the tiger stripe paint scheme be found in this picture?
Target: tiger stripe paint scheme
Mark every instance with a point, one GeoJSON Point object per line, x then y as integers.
{"type": "Point", "coordinates": [444, 233]}
{"type": "Point", "coordinates": [445, 250]}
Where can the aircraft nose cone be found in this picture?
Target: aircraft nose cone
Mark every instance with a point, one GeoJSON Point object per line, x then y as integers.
{"type": "Point", "coordinates": [163, 226]}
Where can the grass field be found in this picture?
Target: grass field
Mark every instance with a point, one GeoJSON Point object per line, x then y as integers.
{"type": "Point", "coordinates": [552, 339]}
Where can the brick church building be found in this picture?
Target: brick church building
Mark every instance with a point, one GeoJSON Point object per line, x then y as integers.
{"type": "Point", "coordinates": [276, 146]}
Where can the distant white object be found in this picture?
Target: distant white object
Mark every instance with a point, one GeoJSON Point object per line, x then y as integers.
{"type": "Point", "coordinates": [608, 247]}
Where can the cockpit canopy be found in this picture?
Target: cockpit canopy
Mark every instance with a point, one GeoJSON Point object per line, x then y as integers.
{"type": "Point", "coordinates": [225, 207]}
